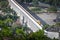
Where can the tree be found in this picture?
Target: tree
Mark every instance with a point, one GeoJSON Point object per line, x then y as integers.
{"type": "Point", "coordinates": [52, 9]}
{"type": "Point", "coordinates": [57, 24]}
{"type": "Point", "coordinates": [6, 32]}
{"type": "Point", "coordinates": [7, 10]}
{"type": "Point", "coordinates": [8, 22]}
{"type": "Point", "coordinates": [35, 2]}
{"type": "Point", "coordinates": [41, 0]}
{"type": "Point", "coordinates": [46, 26]}
{"type": "Point", "coordinates": [20, 33]}
{"type": "Point", "coordinates": [1, 23]}
{"type": "Point", "coordinates": [38, 36]}
{"type": "Point", "coordinates": [3, 0]}
{"type": "Point", "coordinates": [3, 4]}
{"type": "Point", "coordinates": [52, 2]}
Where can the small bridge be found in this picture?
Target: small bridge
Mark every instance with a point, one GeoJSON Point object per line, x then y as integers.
{"type": "Point", "coordinates": [25, 16]}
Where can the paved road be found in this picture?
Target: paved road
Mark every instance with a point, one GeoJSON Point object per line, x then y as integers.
{"type": "Point", "coordinates": [48, 17]}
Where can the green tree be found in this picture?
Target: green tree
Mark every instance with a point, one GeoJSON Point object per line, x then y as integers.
{"type": "Point", "coordinates": [21, 34]}
{"type": "Point", "coordinates": [52, 9]}
{"type": "Point", "coordinates": [57, 24]}
{"type": "Point", "coordinates": [41, 0]}
{"type": "Point", "coordinates": [46, 26]}
{"type": "Point", "coordinates": [1, 23]}
{"type": "Point", "coordinates": [3, 4]}
{"type": "Point", "coordinates": [8, 22]}
{"type": "Point", "coordinates": [7, 10]}
{"type": "Point", "coordinates": [6, 32]}
{"type": "Point", "coordinates": [51, 2]}
{"type": "Point", "coordinates": [35, 2]}
{"type": "Point", "coordinates": [38, 36]}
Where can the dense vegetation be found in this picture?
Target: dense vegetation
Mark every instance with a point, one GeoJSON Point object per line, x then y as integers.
{"type": "Point", "coordinates": [54, 3]}
{"type": "Point", "coordinates": [52, 9]}
{"type": "Point", "coordinates": [51, 2]}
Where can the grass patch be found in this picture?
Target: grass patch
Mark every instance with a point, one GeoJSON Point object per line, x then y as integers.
{"type": "Point", "coordinates": [35, 9]}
